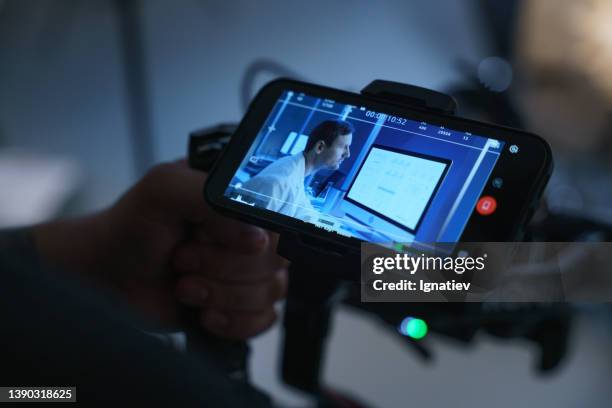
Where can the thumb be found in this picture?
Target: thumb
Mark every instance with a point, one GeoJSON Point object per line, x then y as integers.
{"type": "Point", "coordinates": [180, 191]}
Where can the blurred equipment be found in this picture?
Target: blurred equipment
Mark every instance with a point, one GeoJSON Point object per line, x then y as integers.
{"type": "Point", "coordinates": [522, 84]}
{"type": "Point", "coordinates": [555, 58]}
{"type": "Point", "coordinates": [314, 290]}
{"type": "Point", "coordinates": [254, 73]}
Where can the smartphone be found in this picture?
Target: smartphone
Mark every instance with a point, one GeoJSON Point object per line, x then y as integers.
{"type": "Point", "coordinates": [346, 168]}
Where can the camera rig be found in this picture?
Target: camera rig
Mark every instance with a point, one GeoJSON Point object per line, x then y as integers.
{"type": "Point", "coordinates": [317, 284]}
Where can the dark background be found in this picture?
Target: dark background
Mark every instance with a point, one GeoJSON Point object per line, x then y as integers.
{"type": "Point", "coordinates": [84, 82]}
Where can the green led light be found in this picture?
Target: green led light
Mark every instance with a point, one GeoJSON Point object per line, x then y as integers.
{"type": "Point", "coordinates": [413, 328]}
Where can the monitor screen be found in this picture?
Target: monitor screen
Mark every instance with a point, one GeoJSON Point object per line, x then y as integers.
{"type": "Point", "coordinates": [397, 185]}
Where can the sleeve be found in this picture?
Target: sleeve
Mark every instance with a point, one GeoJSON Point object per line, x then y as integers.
{"type": "Point", "coordinates": [57, 331]}
{"type": "Point", "coordinates": [266, 192]}
{"type": "Point", "coordinates": [307, 212]}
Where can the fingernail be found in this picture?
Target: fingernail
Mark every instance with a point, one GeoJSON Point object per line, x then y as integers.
{"type": "Point", "coordinates": [255, 233]}
{"type": "Point", "coordinates": [187, 261]}
{"type": "Point", "coordinates": [215, 319]}
{"type": "Point", "coordinates": [254, 239]}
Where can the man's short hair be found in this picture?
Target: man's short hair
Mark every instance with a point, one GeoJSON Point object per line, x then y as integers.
{"type": "Point", "coordinates": [328, 131]}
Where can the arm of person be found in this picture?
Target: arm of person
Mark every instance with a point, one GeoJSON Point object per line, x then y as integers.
{"type": "Point", "coordinates": [58, 332]}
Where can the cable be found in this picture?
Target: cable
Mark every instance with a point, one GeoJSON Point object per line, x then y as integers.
{"type": "Point", "coordinates": [260, 66]}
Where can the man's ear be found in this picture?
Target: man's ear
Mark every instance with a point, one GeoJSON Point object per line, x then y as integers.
{"type": "Point", "coordinates": [319, 146]}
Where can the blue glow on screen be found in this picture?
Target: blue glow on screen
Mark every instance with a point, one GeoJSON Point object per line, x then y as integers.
{"type": "Point", "coordinates": [404, 181]}
{"type": "Point", "coordinates": [397, 185]}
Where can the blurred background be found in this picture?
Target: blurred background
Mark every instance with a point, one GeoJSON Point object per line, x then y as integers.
{"type": "Point", "coordinates": [94, 92]}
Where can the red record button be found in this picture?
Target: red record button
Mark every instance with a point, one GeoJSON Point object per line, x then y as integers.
{"type": "Point", "coordinates": [486, 205]}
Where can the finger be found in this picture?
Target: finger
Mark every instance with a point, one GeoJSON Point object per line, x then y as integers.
{"type": "Point", "coordinates": [220, 263]}
{"type": "Point", "coordinates": [233, 234]}
{"type": "Point", "coordinates": [177, 187]}
{"type": "Point", "coordinates": [238, 326]}
{"type": "Point", "coordinates": [252, 298]}
{"type": "Point", "coordinates": [180, 192]}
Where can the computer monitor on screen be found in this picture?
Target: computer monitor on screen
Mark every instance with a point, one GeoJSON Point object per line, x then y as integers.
{"type": "Point", "coordinates": [397, 186]}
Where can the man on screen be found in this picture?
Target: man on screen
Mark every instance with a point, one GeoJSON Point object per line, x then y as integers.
{"type": "Point", "coordinates": [280, 186]}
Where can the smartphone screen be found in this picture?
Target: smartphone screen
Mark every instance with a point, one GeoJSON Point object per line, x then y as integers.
{"type": "Point", "coordinates": [365, 174]}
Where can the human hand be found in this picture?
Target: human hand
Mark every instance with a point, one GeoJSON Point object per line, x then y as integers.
{"type": "Point", "coordinates": [161, 246]}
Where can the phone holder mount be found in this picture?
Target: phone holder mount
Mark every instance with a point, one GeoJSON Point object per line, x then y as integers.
{"type": "Point", "coordinates": [320, 275]}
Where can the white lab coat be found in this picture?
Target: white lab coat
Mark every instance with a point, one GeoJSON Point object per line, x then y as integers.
{"type": "Point", "coordinates": [280, 187]}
